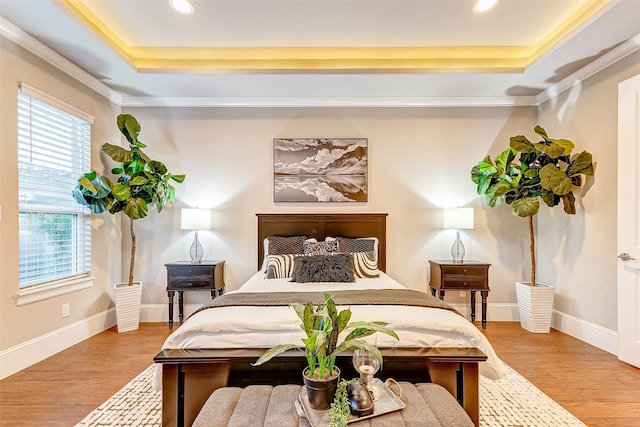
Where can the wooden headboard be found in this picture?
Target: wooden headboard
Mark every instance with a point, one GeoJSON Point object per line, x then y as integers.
{"type": "Point", "coordinates": [320, 226]}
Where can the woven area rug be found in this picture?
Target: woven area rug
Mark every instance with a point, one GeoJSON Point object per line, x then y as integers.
{"type": "Point", "coordinates": [509, 402]}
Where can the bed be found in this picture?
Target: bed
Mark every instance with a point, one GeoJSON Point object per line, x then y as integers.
{"type": "Point", "coordinates": [216, 346]}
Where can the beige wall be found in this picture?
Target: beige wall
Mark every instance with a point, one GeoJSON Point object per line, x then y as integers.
{"type": "Point", "coordinates": [20, 324]}
{"type": "Point", "coordinates": [419, 160]}
{"type": "Point", "coordinates": [578, 254]}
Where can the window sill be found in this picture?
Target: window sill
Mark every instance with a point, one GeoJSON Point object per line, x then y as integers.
{"type": "Point", "coordinates": [53, 289]}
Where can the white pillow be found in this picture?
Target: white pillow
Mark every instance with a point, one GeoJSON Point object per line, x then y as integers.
{"type": "Point", "coordinates": [265, 252]}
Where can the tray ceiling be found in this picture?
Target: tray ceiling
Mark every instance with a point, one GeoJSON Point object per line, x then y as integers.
{"type": "Point", "coordinates": [328, 52]}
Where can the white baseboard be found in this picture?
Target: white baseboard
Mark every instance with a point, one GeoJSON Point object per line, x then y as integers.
{"type": "Point", "coordinates": [595, 335]}
{"type": "Point", "coordinates": [160, 312]}
{"type": "Point", "coordinates": [603, 338]}
{"type": "Point", "coordinates": [30, 352]}
{"type": "Point", "coordinates": [155, 313]}
{"type": "Point", "coordinates": [496, 312]}
{"type": "Point", "coordinates": [33, 351]}
{"type": "Point", "coordinates": [21, 356]}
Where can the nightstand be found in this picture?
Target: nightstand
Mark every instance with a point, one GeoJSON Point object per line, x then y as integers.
{"type": "Point", "coordinates": [183, 276]}
{"type": "Point", "coordinates": [470, 276]}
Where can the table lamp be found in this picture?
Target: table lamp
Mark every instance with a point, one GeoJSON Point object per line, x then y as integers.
{"type": "Point", "coordinates": [195, 219]}
{"type": "Point", "coordinates": [458, 219]}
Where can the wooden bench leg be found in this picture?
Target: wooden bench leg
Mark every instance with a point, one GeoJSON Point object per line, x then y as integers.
{"type": "Point", "coordinates": [461, 380]}
{"type": "Point", "coordinates": [186, 387]}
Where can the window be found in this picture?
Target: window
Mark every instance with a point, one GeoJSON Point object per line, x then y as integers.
{"type": "Point", "coordinates": [54, 147]}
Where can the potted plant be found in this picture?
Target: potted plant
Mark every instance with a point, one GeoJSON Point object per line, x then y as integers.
{"type": "Point", "coordinates": [521, 176]}
{"type": "Point", "coordinates": [322, 325]}
{"type": "Point", "coordinates": [140, 182]}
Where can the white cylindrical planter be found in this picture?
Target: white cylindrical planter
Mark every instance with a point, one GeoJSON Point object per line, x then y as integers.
{"type": "Point", "coordinates": [535, 304]}
{"type": "Point", "coordinates": [128, 300]}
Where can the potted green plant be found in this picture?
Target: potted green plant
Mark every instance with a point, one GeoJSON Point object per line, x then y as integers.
{"type": "Point", "coordinates": [521, 176]}
{"type": "Point", "coordinates": [323, 324]}
{"type": "Point", "coordinates": [140, 182]}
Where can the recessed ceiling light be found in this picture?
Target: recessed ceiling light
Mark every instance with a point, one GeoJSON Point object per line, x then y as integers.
{"type": "Point", "coordinates": [483, 5]}
{"type": "Point", "coordinates": [183, 6]}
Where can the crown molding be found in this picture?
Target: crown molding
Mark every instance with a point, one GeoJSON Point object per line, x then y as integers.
{"type": "Point", "coordinates": [609, 58]}
{"type": "Point", "coordinates": [15, 34]}
{"type": "Point", "coordinates": [335, 102]}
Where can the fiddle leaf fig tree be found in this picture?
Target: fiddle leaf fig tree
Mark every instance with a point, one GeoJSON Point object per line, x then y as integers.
{"type": "Point", "coordinates": [140, 182]}
{"type": "Point", "coordinates": [527, 172]}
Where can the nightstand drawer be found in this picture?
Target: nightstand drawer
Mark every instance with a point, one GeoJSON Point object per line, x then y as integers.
{"type": "Point", "coordinates": [192, 276]}
{"type": "Point", "coordinates": [463, 270]}
{"type": "Point", "coordinates": [471, 283]}
{"type": "Point", "coordinates": [177, 285]}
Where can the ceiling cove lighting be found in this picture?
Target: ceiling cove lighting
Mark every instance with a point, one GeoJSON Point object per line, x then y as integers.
{"type": "Point", "coordinates": [182, 6]}
{"type": "Point", "coordinates": [484, 5]}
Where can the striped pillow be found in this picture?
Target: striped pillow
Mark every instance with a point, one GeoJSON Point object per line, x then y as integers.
{"type": "Point", "coordinates": [279, 266]}
{"type": "Point", "coordinates": [365, 265]}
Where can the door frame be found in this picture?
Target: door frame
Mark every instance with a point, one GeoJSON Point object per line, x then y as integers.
{"type": "Point", "coordinates": [628, 221]}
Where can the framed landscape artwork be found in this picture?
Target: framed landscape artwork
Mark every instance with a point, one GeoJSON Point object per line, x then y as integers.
{"type": "Point", "coordinates": [320, 169]}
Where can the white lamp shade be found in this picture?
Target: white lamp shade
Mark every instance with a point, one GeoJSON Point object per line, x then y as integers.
{"type": "Point", "coordinates": [195, 219]}
{"type": "Point", "coordinates": [458, 218]}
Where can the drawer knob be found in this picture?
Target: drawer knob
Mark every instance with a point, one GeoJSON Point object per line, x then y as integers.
{"type": "Point", "coordinates": [464, 270]}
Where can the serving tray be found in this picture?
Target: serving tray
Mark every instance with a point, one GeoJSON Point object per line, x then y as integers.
{"type": "Point", "coordinates": [388, 402]}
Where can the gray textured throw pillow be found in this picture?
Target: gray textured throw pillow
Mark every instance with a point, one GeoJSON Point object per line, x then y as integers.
{"type": "Point", "coordinates": [356, 245]}
{"type": "Point", "coordinates": [323, 268]}
{"type": "Point", "coordinates": [279, 245]}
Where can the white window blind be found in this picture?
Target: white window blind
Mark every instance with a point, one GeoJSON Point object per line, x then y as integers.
{"type": "Point", "coordinates": [54, 147]}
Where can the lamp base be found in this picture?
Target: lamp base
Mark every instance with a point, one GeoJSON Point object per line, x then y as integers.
{"type": "Point", "coordinates": [457, 250]}
{"type": "Point", "coordinates": [196, 250]}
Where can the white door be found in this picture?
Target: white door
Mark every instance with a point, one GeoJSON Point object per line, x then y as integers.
{"type": "Point", "coordinates": [629, 221]}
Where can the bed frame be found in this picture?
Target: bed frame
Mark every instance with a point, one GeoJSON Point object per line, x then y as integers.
{"type": "Point", "coordinates": [190, 375]}
{"type": "Point", "coordinates": [322, 226]}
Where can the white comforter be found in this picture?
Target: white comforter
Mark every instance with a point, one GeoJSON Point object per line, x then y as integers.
{"type": "Point", "coordinates": [264, 327]}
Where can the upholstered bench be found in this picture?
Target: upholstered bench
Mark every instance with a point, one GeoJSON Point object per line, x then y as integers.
{"type": "Point", "coordinates": [268, 406]}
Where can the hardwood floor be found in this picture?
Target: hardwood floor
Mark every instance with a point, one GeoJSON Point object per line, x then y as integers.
{"type": "Point", "coordinates": [590, 383]}
{"type": "Point", "coordinates": [61, 390]}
